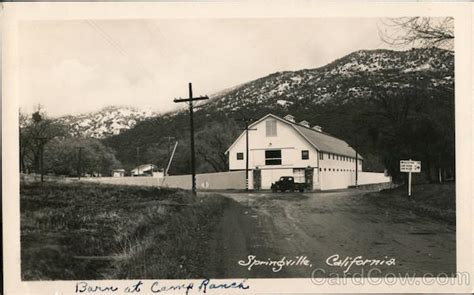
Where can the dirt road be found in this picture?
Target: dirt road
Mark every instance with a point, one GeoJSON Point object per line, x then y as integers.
{"type": "Point", "coordinates": [319, 225]}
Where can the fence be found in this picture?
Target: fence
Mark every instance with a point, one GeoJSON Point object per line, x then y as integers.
{"type": "Point", "coordinates": [341, 180]}
{"type": "Point", "coordinates": [372, 178]}
{"type": "Point", "coordinates": [211, 181]}
{"type": "Point", "coordinates": [236, 180]}
{"type": "Point", "coordinates": [141, 181]}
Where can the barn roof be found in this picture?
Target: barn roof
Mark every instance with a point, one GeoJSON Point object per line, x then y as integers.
{"type": "Point", "coordinates": [325, 142]}
{"type": "Point", "coordinates": [320, 140]}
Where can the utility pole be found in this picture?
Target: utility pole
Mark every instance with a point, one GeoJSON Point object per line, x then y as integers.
{"type": "Point", "coordinates": [138, 161]}
{"type": "Point", "coordinates": [357, 168]}
{"type": "Point", "coordinates": [79, 163]}
{"type": "Point", "coordinates": [247, 129]}
{"type": "Point", "coordinates": [169, 145]}
{"type": "Point", "coordinates": [356, 159]}
{"type": "Point", "coordinates": [171, 159]}
{"type": "Point", "coordinates": [190, 100]}
{"type": "Point", "coordinates": [42, 161]}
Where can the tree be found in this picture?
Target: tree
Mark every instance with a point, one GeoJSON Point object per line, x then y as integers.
{"type": "Point", "coordinates": [403, 126]}
{"type": "Point", "coordinates": [61, 157]}
{"type": "Point", "coordinates": [212, 142]}
{"type": "Point", "coordinates": [36, 130]}
{"type": "Point", "coordinates": [424, 32]}
{"type": "Point", "coordinates": [157, 153]}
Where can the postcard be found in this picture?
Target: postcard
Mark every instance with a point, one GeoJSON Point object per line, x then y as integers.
{"type": "Point", "coordinates": [237, 147]}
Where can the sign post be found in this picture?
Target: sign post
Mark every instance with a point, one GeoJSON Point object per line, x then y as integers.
{"type": "Point", "coordinates": [410, 166]}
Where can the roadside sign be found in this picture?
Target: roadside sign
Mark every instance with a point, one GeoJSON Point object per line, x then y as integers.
{"type": "Point", "coordinates": [410, 166]}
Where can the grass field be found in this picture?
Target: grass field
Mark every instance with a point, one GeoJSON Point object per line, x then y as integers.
{"type": "Point", "coordinates": [434, 200]}
{"type": "Point", "coordinates": [89, 231]}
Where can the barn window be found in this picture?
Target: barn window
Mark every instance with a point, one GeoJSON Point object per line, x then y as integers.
{"type": "Point", "coordinates": [321, 156]}
{"type": "Point", "coordinates": [305, 155]}
{"type": "Point", "coordinates": [271, 127]}
{"type": "Point", "coordinates": [273, 157]}
{"type": "Point", "coordinates": [240, 156]}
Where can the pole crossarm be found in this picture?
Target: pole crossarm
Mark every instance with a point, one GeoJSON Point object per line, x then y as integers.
{"type": "Point", "coordinates": [190, 101]}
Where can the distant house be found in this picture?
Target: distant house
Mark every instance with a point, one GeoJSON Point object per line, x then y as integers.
{"type": "Point", "coordinates": [281, 147]}
{"type": "Point", "coordinates": [148, 170]}
{"type": "Point", "coordinates": [118, 173]}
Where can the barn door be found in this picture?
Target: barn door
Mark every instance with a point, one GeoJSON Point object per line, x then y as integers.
{"type": "Point", "coordinates": [257, 179]}
{"type": "Point", "coordinates": [299, 175]}
{"type": "Point", "coordinates": [308, 176]}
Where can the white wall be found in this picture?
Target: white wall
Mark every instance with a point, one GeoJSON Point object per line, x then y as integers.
{"type": "Point", "coordinates": [336, 180]}
{"type": "Point", "coordinates": [341, 180]}
{"type": "Point", "coordinates": [216, 181]}
{"type": "Point", "coordinates": [219, 180]}
{"type": "Point", "coordinates": [140, 181]}
{"type": "Point", "coordinates": [371, 178]}
{"type": "Point", "coordinates": [236, 179]}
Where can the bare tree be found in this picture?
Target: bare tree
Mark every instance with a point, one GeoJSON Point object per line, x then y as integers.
{"type": "Point", "coordinates": [421, 32]}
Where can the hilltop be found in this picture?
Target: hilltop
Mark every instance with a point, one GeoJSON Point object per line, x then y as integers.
{"type": "Point", "coordinates": [368, 98]}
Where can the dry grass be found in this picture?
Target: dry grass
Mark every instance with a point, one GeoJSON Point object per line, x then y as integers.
{"type": "Point", "coordinates": [90, 231]}
{"type": "Point", "coordinates": [434, 200]}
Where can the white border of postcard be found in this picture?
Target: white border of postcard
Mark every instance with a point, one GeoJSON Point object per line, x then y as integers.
{"type": "Point", "coordinates": [14, 12]}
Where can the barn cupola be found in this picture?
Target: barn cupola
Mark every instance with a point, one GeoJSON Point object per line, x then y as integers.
{"type": "Point", "coordinates": [318, 128]}
{"type": "Point", "coordinates": [289, 118]}
{"type": "Point", "coordinates": [304, 123]}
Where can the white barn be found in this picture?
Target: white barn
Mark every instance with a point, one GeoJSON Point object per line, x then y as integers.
{"type": "Point", "coordinates": [281, 147]}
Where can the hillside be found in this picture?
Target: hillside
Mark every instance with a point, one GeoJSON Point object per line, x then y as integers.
{"type": "Point", "coordinates": [354, 76]}
{"type": "Point", "coordinates": [108, 121]}
{"type": "Point", "coordinates": [368, 98]}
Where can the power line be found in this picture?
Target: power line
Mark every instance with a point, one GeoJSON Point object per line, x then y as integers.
{"type": "Point", "coordinates": [116, 46]}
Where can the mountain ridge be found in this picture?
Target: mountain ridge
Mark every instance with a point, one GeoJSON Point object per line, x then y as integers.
{"type": "Point", "coordinates": [333, 96]}
{"type": "Point", "coordinates": [108, 121]}
{"type": "Point", "coordinates": [282, 89]}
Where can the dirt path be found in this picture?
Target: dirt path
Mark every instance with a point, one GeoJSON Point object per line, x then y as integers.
{"type": "Point", "coordinates": [318, 225]}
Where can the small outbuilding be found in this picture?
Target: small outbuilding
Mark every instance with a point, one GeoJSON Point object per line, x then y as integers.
{"type": "Point", "coordinates": [148, 170]}
{"type": "Point", "coordinates": [118, 173]}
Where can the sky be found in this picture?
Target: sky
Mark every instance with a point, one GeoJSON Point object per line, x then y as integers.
{"type": "Point", "coordinates": [78, 66]}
